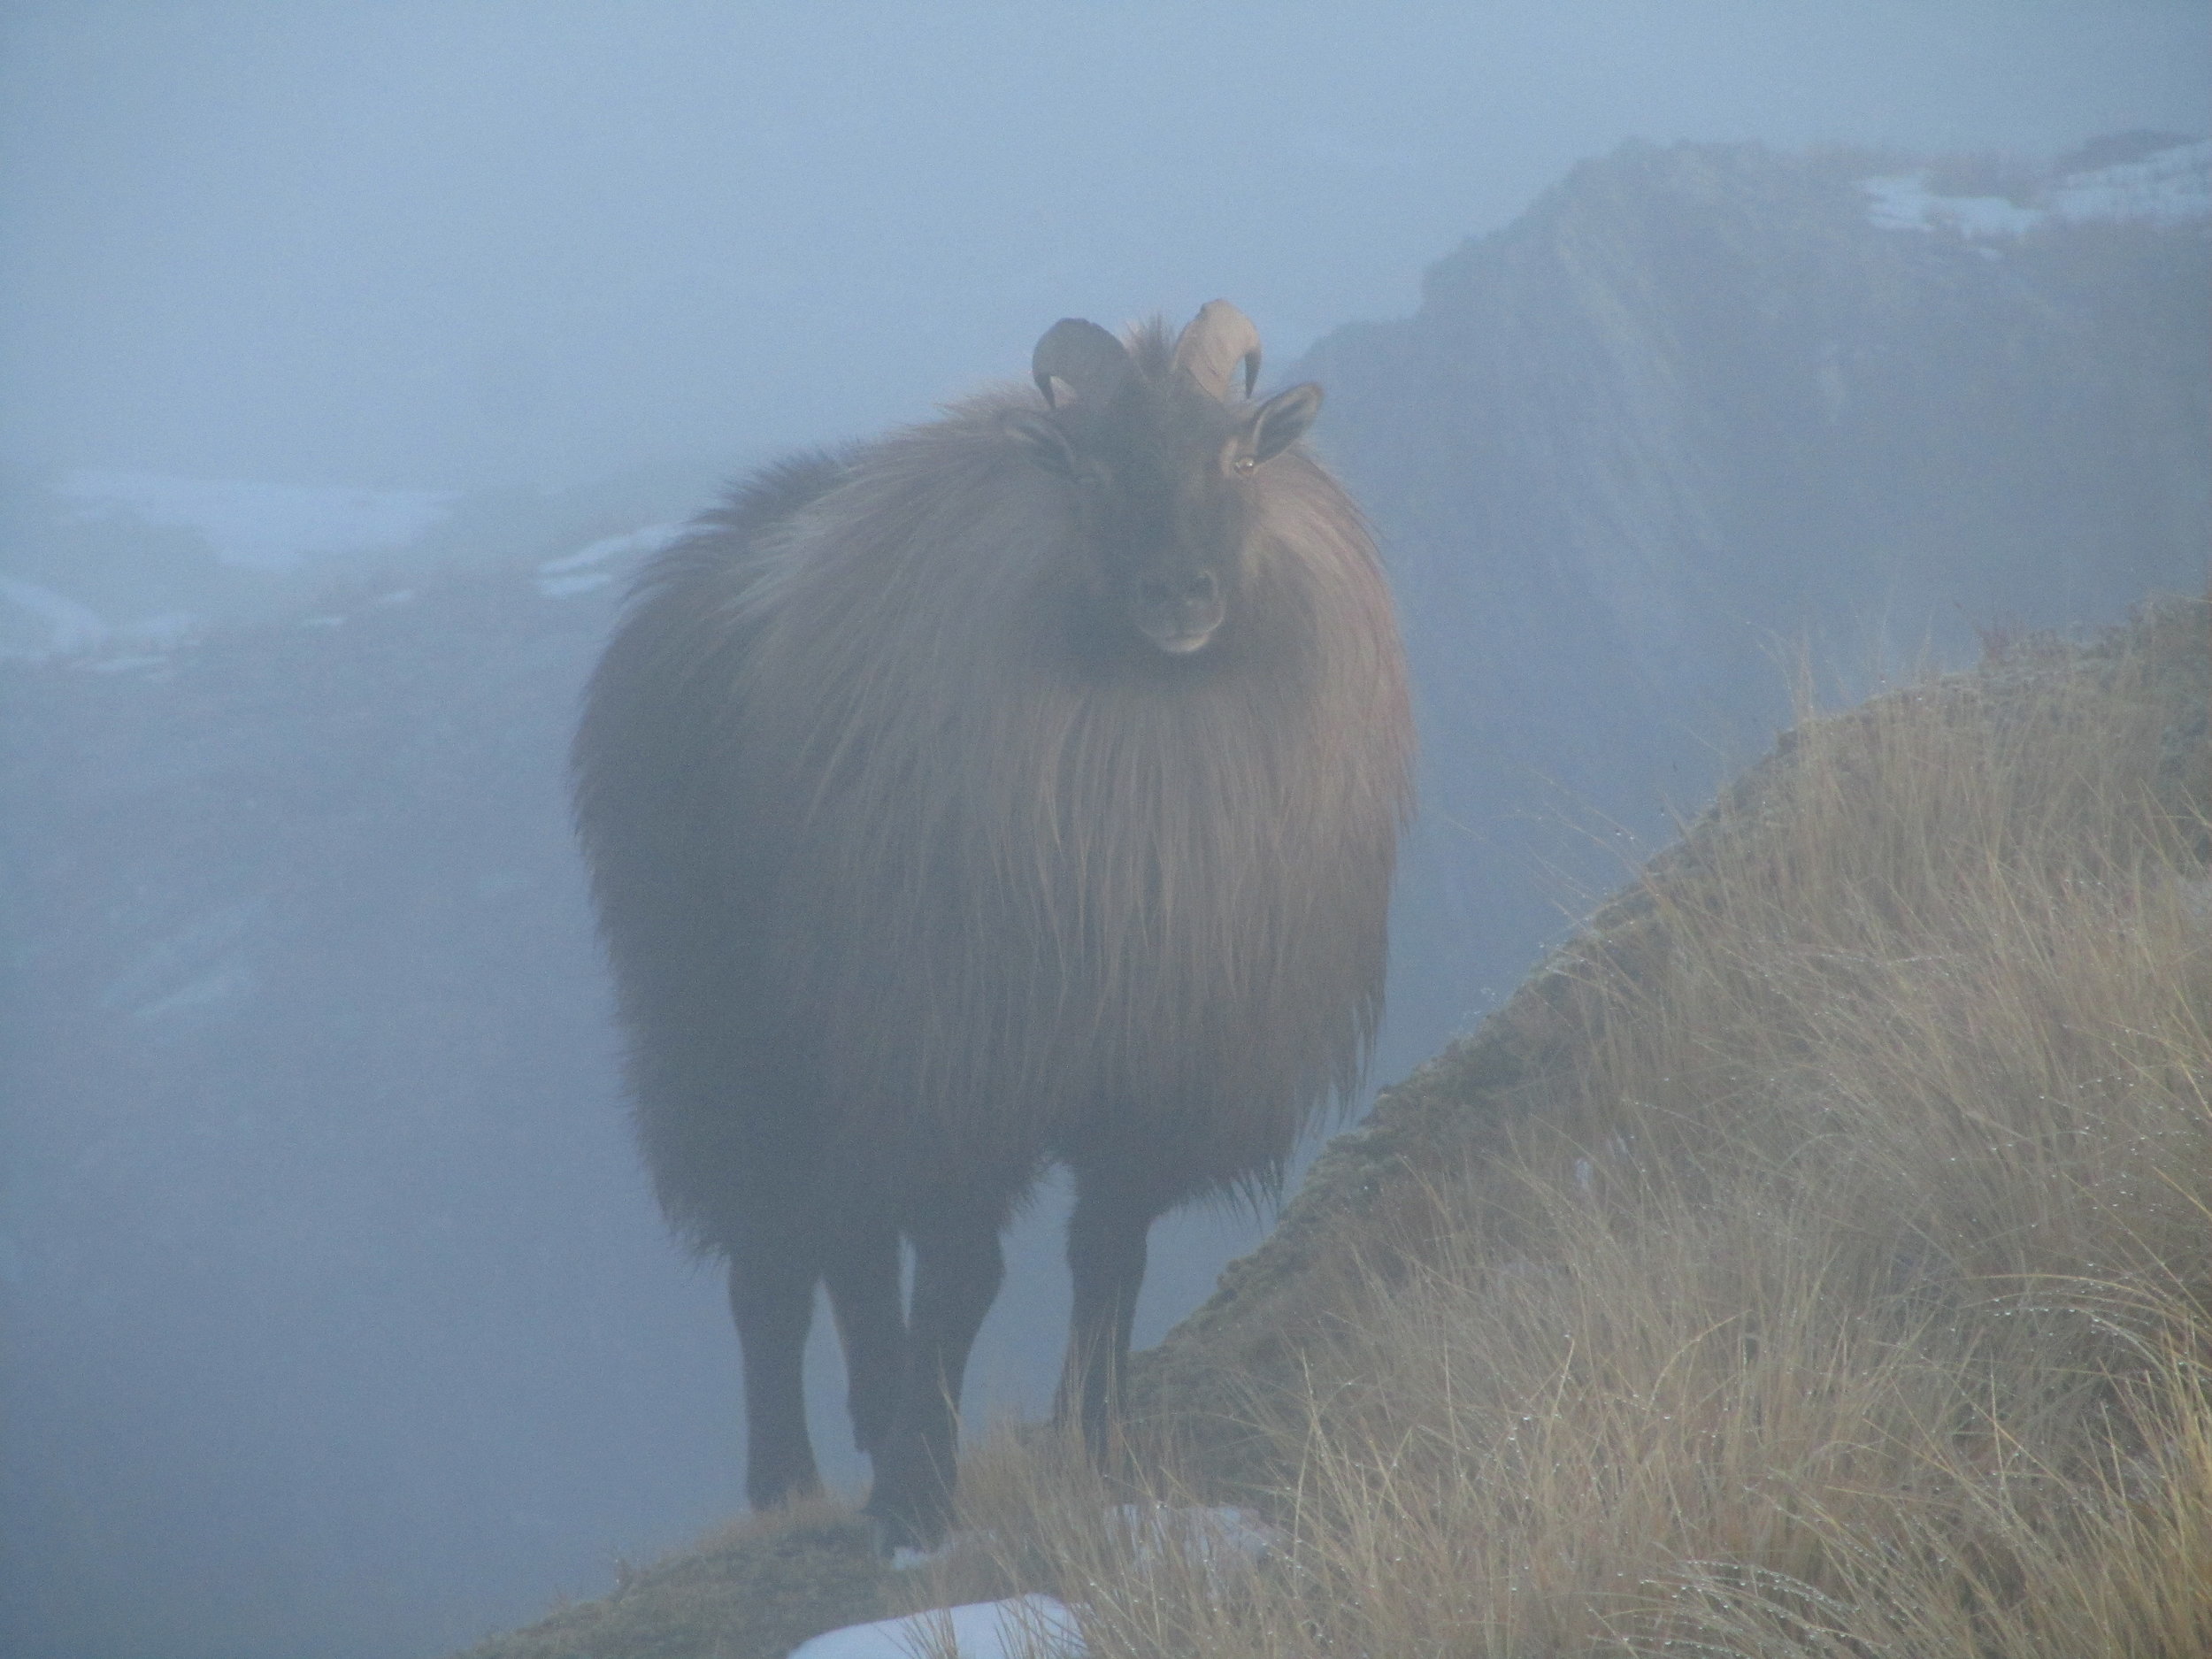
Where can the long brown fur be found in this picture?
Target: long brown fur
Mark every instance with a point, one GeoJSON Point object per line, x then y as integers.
{"type": "Point", "coordinates": [911, 886]}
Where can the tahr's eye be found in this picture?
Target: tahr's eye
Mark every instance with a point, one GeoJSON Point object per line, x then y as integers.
{"type": "Point", "coordinates": [1244, 466]}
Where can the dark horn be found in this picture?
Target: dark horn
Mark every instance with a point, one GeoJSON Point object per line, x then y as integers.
{"type": "Point", "coordinates": [1219, 339]}
{"type": "Point", "coordinates": [1084, 355]}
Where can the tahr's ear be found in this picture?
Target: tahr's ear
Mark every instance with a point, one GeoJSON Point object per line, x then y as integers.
{"type": "Point", "coordinates": [1040, 438]}
{"type": "Point", "coordinates": [1282, 420]}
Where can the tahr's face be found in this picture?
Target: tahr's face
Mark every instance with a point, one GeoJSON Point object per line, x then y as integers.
{"type": "Point", "coordinates": [1164, 490]}
{"type": "Point", "coordinates": [1170, 541]}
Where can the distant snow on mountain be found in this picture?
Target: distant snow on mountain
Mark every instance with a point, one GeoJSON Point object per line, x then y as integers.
{"type": "Point", "coordinates": [36, 623]}
{"type": "Point", "coordinates": [2164, 188]}
{"type": "Point", "coordinates": [2172, 186]}
{"type": "Point", "coordinates": [581, 572]}
{"type": "Point", "coordinates": [1904, 201]}
{"type": "Point", "coordinates": [47, 624]}
{"type": "Point", "coordinates": [272, 530]}
{"type": "Point", "coordinates": [263, 527]}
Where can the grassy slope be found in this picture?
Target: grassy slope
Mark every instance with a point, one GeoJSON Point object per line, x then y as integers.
{"type": "Point", "coordinates": [1814, 1257]}
{"type": "Point", "coordinates": [754, 1590]}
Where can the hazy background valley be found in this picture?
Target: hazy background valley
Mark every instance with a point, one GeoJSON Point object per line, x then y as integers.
{"type": "Point", "coordinates": [349, 358]}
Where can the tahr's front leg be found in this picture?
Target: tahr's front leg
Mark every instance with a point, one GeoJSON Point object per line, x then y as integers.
{"type": "Point", "coordinates": [863, 1276]}
{"type": "Point", "coordinates": [1106, 1258]}
{"type": "Point", "coordinates": [957, 1267]}
{"type": "Point", "coordinates": [771, 1298]}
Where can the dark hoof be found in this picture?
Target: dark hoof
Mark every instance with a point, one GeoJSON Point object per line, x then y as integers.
{"type": "Point", "coordinates": [887, 1538]}
{"type": "Point", "coordinates": [899, 1525]}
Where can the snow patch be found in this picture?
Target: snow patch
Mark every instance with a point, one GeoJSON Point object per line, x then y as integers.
{"type": "Point", "coordinates": [68, 625]}
{"type": "Point", "coordinates": [2168, 187]}
{"type": "Point", "coordinates": [55, 625]}
{"type": "Point", "coordinates": [569, 586]}
{"type": "Point", "coordinates": [1023, 1627]}
{"type": "Point", "coordinates": [1038, 1626]}
{"type": "Point", "coordinates": [1153, 1532]}
{"type": "Point", "coordinates": [265, 526]}
{"type": "Point", "coordinates": [651, 539]}
{"type": "Point", "coordinates": [572, 573]}
{"type": "Point", "coordinates": [1904, 201]}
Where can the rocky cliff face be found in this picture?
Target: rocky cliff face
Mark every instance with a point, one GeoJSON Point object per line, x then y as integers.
{"type": "Point", "coordinates": [335, 1302]}
{"type": "Point", "coordinates": [1702, 405]}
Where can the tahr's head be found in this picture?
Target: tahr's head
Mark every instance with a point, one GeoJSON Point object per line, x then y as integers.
{"type": "Point", "coordinates": [1164, 456]}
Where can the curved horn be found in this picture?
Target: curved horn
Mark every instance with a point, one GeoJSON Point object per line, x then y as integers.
{"type": "Point", "coordinates": [1084, 355]}
{"type": "Point", "coordinates": [1219, 338]}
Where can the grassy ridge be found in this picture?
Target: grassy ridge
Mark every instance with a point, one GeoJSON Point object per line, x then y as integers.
{"type": "Point", "coordinates": [1823, 1265]}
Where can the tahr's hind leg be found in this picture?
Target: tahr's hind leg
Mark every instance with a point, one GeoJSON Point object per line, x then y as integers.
{"type": "Point", "coordinates": [771, 1298]}
{"type": "Point", "coordinates": [862, 1275]}
{"type": "Point", "coordinates": [1106, 1258]}
{"type": "Point", "coordinates": [958, 1266]}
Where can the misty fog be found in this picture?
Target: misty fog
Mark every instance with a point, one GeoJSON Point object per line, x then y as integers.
{"type": "Point", "coordinates": [350, 355]}
{"type": "Point", "coordinates": [455, 245]}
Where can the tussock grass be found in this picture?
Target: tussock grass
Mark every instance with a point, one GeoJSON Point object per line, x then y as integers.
{"type": "Point", "coordinates": [1847, 1291]}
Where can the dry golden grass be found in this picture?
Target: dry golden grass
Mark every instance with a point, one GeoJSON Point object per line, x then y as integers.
{"type": "Point", "coordinates": [1850, 1295]}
